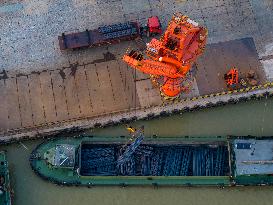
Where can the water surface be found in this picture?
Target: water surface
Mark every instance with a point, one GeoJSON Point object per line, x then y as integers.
{"type": "Point", "coordinates": [251, 118]}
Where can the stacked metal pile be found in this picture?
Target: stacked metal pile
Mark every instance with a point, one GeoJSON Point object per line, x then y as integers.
{"type": "Point", "coordinates": [126, 161]}
{"type": "Point", "coordinates": [166, 161]}
{"type": "Point", "coordinates": [118, 30]}
{"type": "Point", "coordinates": [98, 161]}
{"type": "Point", "coordinates": [209, 162]}
{"type": "Point", "coordinates": [184, 161]}
{"type": "Point", "coordinates": [115, 27]}
{"type": "Point", "coordinates": [155, 160]}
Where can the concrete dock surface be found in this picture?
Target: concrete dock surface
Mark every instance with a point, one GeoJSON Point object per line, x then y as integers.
{"type": "Point", "coordinates": [30, 28]}
{"type": "Point", "coordinates": [70, 93]}
{"type": "Point", "coordinates": [218, 58]}
{"type": "Point", "coordinates": [40, 85]}
{"type": "Point", "coordinates": [87, 90]}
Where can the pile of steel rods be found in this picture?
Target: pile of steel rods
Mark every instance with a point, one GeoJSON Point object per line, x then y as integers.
{"type": "Point", "coordinates": [155, 160]}
{"type": "Point", "coordinates": [130, 150]}
{"type": "Point", "coordinates": [208, 161]}
{"type": "Point", "coordinates": [98, 161]}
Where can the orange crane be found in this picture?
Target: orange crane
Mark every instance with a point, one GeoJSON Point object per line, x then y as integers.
{"type": "Point", "coordinates": [169, 60]}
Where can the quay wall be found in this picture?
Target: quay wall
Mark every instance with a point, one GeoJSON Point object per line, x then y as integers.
{"type": "Point", "coordinates": [168, 108]}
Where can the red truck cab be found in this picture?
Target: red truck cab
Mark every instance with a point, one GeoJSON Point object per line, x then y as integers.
{"type": "Point", "coordinates": [153, 26]}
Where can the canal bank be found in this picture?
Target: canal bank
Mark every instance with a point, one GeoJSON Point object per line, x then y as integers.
{"type": "Point", "coordinates": [179, 106]}
{"type": "Point", "coordinates": [250, 118]}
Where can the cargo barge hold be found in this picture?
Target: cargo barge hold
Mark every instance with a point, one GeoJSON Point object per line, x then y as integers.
{"type": "Point", "coordinates": [188, 161]}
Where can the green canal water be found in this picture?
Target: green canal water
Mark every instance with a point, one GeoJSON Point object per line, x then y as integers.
{"type": "Point", "coordinates": [251, 118]}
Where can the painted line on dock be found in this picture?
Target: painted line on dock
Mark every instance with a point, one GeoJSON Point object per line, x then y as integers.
{"type": "Point", "coordinates": [238, 91]}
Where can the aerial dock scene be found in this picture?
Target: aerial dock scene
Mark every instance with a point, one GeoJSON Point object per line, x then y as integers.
{"type": "Point", "coordinates": [131, 102]}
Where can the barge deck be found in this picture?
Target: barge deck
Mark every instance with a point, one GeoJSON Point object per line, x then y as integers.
{"type": "Point", "coordinates": [213, 161]}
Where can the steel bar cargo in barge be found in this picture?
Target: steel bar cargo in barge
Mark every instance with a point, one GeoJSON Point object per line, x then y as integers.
{"type": "Point", "coordinates": [189, 161]}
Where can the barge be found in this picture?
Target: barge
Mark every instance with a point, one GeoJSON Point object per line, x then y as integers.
{"type": "Point", "coordinates": [103, 35]}
{"type": "Point", "coordinates": [5, 189]}
{"type": "Point", "coordinates": [188, 161]}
